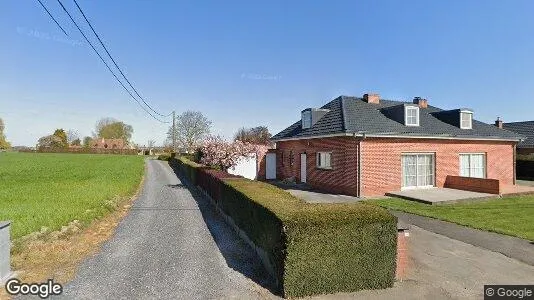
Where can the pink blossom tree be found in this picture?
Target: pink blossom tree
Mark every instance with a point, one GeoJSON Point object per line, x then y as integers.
{"type": "Point", "coordinates": [217, 152]}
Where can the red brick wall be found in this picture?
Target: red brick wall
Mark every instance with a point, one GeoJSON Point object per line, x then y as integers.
{"type": "Point", "coordinates": [481, 185]}
{"type": "Point", "coordinates": [381, 161]}
{"type": "Point", "coordinates": [343, 176]}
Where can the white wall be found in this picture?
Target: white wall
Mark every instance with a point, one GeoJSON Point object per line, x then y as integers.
{"type": "Point", "coordinates": [247, 168]}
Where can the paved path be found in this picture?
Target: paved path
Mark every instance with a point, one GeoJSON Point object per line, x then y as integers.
{"type": "Point", "coordinates": [170, 246]}
{"type": "Point", "coordinates": [444, 268]}
{"type": "Point", "coordinates": [513, 247]}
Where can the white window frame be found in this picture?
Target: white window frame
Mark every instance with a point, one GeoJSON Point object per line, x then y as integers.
{"type": "Point", "coordinates": [464, 113]}
{"type": "Point", "coordinates": [433, 155]}
{"type": "Point", "coordinates": [306, 117]}
{"type": "Point", "coordinates": [416, 109]}
{"type": "Point", "coordinates": [484, 164]}
{"type": "Point", "coordinates": [319, 161]}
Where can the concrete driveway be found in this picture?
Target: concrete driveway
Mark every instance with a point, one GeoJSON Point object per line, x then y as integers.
{"type": "Point", "coordinates": [172, 245]}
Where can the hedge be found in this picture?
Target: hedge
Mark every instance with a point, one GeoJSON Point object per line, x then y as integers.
{"type": "Point", "coordinates": [311, 248]}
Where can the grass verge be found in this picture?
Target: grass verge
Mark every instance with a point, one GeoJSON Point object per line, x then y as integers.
{"type": "Point", "coordinates": [511, 215]}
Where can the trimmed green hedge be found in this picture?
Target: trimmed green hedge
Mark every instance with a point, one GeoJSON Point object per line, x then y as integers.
{"type": "Point", "coordinates": [313, 248]}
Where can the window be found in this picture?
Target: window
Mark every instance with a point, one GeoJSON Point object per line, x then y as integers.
{"type": "Point", "coordinates": [324, 160]}
{"type": "Point", "coordinates": [412, 116]}
{"type": "Point", "coordinates": [466, 120]}
{"type": "Point", "coordinates": [290, 158]}
{"type": "Point", "coordinates": [282, 157]}
{"type": "Point", "coordinates": [306, 119]}
{"type": "Point", "coordinates": [473, 165]}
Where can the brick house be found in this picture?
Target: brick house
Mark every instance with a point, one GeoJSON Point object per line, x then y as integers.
{"type": "Point", "coordinates": [369, 146]}
{"type": "Point", "coordinates": [526, 129]}
{"type": "Point", "coordinates": [109, 144]}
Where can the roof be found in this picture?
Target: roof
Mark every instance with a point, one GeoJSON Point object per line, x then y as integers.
{"type": "Point", "coordinates": [352, 115]}
{"type": "Point", "coordinates": [523, 128]}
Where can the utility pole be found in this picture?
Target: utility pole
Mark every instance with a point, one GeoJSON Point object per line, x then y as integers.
{"type": "Point", "coordinates": [174, 131]}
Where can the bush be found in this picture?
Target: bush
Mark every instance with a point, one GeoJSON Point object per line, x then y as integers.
{"type": "Point", "coordinates": [164, 156]}
{"type": "Point", "coordinates": [311, 248]}
{"type": "Point", "coordinates": [527, 157]}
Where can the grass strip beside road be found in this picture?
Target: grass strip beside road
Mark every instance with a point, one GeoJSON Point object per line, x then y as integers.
{"type": "Point", "coordinates": [510, 215]}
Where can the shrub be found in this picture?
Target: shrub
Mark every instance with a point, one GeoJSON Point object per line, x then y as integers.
{"type": "Point", "coordinates": [527, 157]}
{"type": "Point", "coordinates": [311, 248]}
{"type": "Point", "coordinates": [164, 156]}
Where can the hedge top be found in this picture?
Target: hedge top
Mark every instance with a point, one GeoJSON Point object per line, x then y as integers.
{"type": "Point", "coordinates": [289, 208]}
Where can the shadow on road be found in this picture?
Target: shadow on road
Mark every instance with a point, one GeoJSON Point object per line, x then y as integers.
{"type": "Point", "coordinates": [237, 253]}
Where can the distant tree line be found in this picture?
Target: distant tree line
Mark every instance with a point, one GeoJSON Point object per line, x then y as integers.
{"type": "Point", "coordinates": [106, 128]}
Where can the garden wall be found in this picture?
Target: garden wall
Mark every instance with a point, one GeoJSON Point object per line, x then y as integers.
{"type": "Point", "coordinates": [480, 185]}
{"type": "Point", "coordinates": [309, 248]}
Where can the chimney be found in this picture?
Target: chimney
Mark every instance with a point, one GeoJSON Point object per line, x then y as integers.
{"type": "Point", "coordinates": [372, 98]}
{"type": "Point", "coordinates": [498, 123]}
{"type": "Point", "coordinates": [423, 103]}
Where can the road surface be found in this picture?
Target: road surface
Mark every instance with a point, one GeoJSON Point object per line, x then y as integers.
{"type": "Point", "coordinates": [171, 245]}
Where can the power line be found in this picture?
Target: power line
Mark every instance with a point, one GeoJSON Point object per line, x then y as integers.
{"type": "Point", "coordinates": [102, 59]}
{"type": "Point", "coordinates": [115, 63]}
{"type": "Point", "coordinates": [52, 17]}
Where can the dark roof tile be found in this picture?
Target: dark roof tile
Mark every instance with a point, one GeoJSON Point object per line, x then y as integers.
{"type": "Point", "coordinates": [354, 115]}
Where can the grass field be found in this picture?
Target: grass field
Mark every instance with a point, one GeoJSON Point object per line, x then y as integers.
{"type": "Point", "coordinates": [511, 215]}
{"type": "Point", "coordinates": [51, 190]}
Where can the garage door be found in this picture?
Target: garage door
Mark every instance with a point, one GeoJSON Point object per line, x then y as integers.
{"type": "Point", "coordinates": [418, 170]}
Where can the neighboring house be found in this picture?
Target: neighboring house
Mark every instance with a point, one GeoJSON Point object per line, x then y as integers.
{"type": "Point", "coordinates": [109, 144]}
{"type": "Point", "coordinates": [369, 146]}
{"type": "Point", "coordinates": [527, 130]}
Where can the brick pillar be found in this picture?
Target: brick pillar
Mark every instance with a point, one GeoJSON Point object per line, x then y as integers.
{"type": "Point", "coordinates": [402, 254]}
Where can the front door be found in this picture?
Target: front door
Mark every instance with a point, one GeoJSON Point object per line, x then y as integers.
{"type": "Point", "coordinates": [418, 170]}
{"type": "Point", "coordinates": [303, 167]}
{"type": "Point", "coordinates": [270, 166]}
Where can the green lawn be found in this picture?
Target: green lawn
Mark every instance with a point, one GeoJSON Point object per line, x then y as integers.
{"type": "Point", "coordinates": [511, 216]}
{"type": "Point", "coordinates": [52, 190]}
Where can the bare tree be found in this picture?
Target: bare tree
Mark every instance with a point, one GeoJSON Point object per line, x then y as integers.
{"type": "Point", "coordinates": [151, 144]}
{"type": "Point", "coordinates": [72, 135]}
{"type": "Point", "coordinates": [257, 135]}
{"type": "Point", "coordinates": [191, 128]}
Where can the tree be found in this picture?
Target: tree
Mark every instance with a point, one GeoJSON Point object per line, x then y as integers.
{"type": "Point", "coordinates": [217, 152]}
{"type": "Point", "coordinates": [50, 141]}
{"type": "Point", "coordinates": [76, 142]}
{"type": "Point", "coordinates": [87, 142]}
{"type": "Point", "coordinates": [72, 135]}
{"type": "Point", "coordinates": [60, 133]}
{"type": "Point", "coordinates": [151, 144]}
{"type": "Point", "coordinates": [109, 128]}
{"type": "Point", "coordinates": [4, 144]}
{"type": "Point", "coordinates": [257, 135]}
{"type": "Point", "coordinates": [191, 128]}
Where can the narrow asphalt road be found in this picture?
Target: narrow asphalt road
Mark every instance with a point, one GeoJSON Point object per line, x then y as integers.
{"type": "Point", "coordinates": [171, 245]}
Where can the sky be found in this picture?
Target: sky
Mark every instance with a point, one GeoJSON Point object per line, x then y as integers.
{"type": "Point", "coordinates": [251, 63]}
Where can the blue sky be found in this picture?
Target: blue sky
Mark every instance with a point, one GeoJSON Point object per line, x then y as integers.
{"type": "Point", "coordinates": [249, 63]}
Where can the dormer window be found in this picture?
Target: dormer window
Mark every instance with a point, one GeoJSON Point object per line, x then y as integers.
{"type": "Point", "coordinates": [466, 120]}
{"type": "Point", "coordinates": [306, 119]}
{"type": "Point", "coordinates": [411, 116]}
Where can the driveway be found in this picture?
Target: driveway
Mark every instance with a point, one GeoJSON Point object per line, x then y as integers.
{"type": "Point", "coordinates": [443, 268]}
{"type": "Point", "coordinates": [171, 246]}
